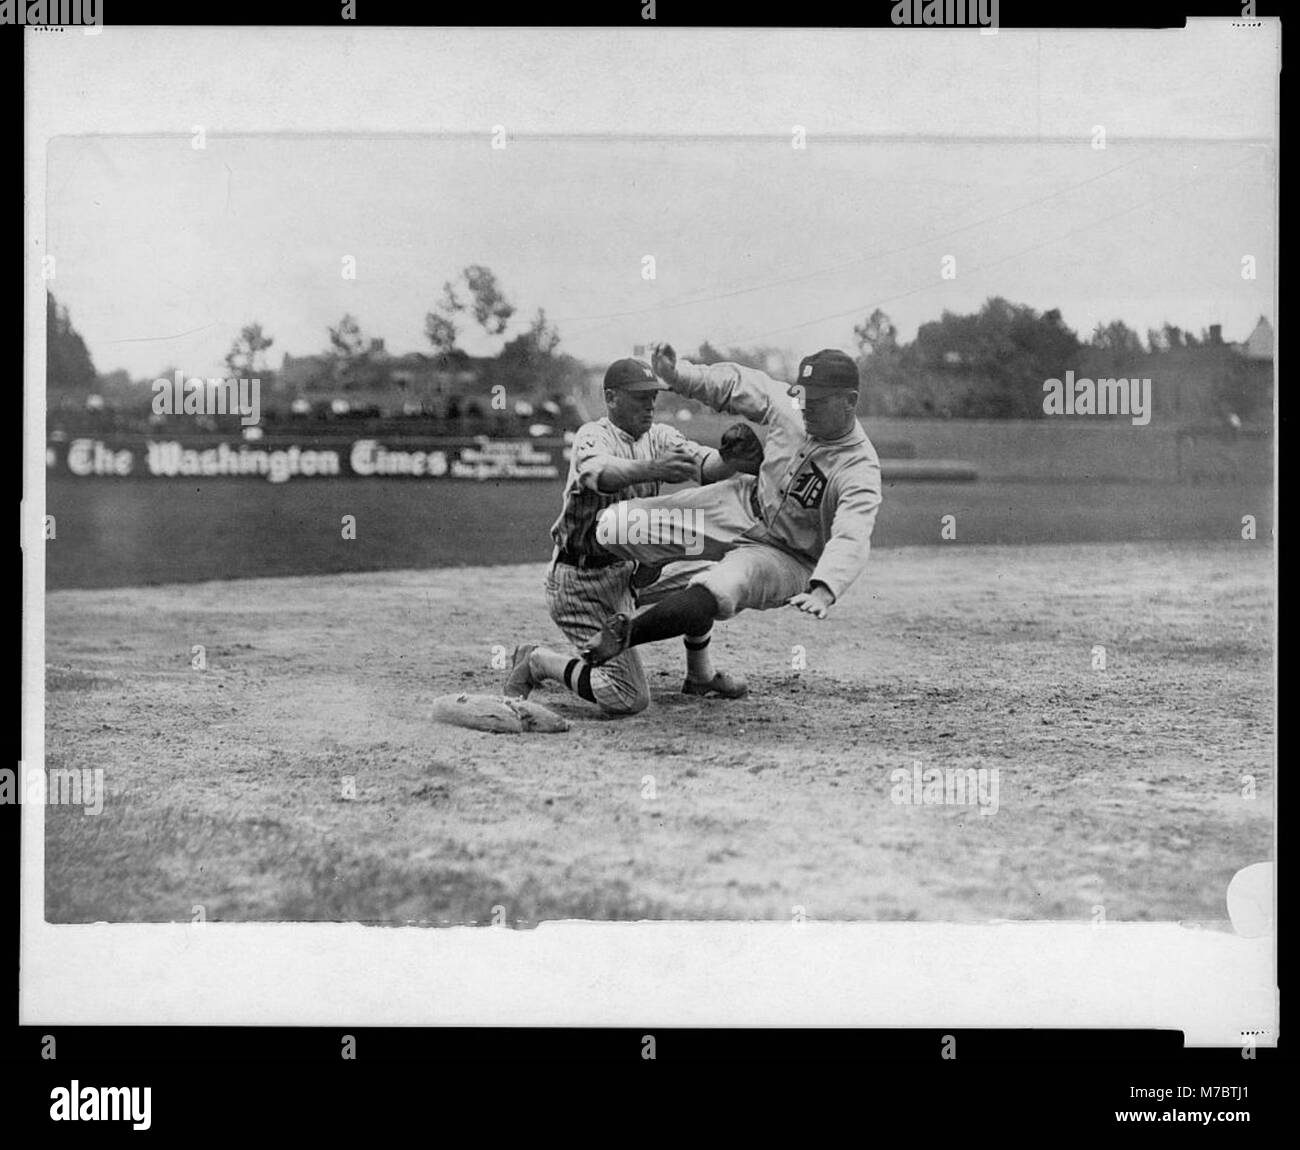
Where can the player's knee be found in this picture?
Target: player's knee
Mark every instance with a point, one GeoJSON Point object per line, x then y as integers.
{"type": "Point", "coordinates": [627, 702]}
{"type": "Point", "coordinates": [618, 696]}
{"type": "Point", "coordinates": [721, 603]}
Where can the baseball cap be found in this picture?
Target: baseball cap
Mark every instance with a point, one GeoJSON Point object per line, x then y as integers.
{"type": "Point", "coordinates": [827, 371]}
{"type": "Point", "coordinates": [632, 375]}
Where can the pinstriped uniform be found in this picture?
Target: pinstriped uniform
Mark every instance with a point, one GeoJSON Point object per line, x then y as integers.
{"type": "Point", "coordinates": [579, 598]}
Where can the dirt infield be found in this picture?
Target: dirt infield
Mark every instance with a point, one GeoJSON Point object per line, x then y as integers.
{"type": "Point", "coordinates": [1119, 787]}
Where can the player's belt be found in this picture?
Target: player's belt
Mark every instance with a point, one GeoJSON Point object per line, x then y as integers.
{"type": "Point", "coordinates": [586, 562]}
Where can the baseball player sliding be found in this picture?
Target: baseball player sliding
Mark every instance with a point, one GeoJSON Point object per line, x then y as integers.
{"type": "Point", "coordinates": [622, 456]}
{"type": "Point", "coordinates": [798, 533]}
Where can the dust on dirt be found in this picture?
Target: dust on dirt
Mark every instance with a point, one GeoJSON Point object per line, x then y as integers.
{"type": "Point", "coordinates": [297, 776]}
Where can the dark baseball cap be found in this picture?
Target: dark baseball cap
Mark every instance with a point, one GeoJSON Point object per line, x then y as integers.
{"type": "Point", "coordinates": [632, 375]}
{"type": "Point", "coordinates": [827, 371]}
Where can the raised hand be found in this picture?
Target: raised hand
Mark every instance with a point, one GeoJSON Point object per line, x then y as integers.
{"type": "Point", "coordinates": [664, 361]}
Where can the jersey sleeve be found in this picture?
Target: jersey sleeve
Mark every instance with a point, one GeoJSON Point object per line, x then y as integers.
{"type": "Point", "coordinates": [857, 499]}
{"type": "Point", "coordinates": [667, 439]}
{"type": "Point", "coordinates": [593, 451]}
{"type": "Point", "coordinates": [737, 390]}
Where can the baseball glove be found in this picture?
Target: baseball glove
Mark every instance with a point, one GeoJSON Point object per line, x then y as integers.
{"type": "Point", "coordinates": [741, 448]}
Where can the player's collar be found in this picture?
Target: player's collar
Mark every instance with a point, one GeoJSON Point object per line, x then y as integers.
{"type": "Point", "coordinates": [623, 435]}
{"type": "Point", "coordinates": [855, 434]}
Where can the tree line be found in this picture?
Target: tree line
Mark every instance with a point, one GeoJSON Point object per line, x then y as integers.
{"type": "Point", "coordinates": [988, 364]}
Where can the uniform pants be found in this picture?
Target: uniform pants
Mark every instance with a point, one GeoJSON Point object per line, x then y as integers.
{"type": "Point", "coordinates": [580, 600]}
{"type": "Point", "coordinates": [715, 522]}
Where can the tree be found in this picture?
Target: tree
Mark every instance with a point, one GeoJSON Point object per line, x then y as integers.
{"type": "Point", "coordinates": [492, 311]}
{"type": "Point", "coordinates": [487, 303]}
{"type": "Point", "coordinates": [1114, 349]}
{"type": "Point", "coordinates": [1116, 336]}
{"type": "Point", "coordinates": [534, 345]}
{"type": "Point", "coordinates": [1001, 355]}
{"type": "Point", "coordinates": [542, 335]}
{"type": "Point", "coordinates": [531, 362]}
{"type": "Point", "coordinates": [877, 335]}
{"type": "Point", "coordinates": [68, 366]}
{"type": "Point", "coordinates": [358, 362]}
{"type": "Point", "coordinates": [441, 332]}
{"type": "Point", "coordinates": [247, 355]}
{"type": "Point", "coordinates": [348, 343]}
{"type": "Point", "coordinates": [879, 359]}
{"type": "Point", "coordinates": [439, 325]}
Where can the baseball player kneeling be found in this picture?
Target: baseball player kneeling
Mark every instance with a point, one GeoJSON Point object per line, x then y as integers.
{"type": "Point", "coordinates": [622, 456]}
{"type": "Point", "coordinates": [798, 533]}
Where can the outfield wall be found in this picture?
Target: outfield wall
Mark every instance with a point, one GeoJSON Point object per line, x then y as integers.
{"type": "Point", "coordinates": [1057, 448]}
{"type": "Point", "coordinates": [1082, 448]}
{"type": "Point", "coordinates": [1054, 449]}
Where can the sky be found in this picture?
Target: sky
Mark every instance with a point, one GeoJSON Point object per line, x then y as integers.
{"type": "Point", "coordinates": [163, 251]}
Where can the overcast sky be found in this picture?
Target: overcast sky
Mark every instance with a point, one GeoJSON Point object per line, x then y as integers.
{"type": "Point", "coordinates": [164, 251]}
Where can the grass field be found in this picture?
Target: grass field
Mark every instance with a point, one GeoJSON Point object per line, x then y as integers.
{"type": "Point", "coordinates": [1119, 787]}
{"type": "Point", "coordinates": [140, 531]}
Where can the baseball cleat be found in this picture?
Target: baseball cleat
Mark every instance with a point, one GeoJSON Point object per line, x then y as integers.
{"type": "Point", "coordinates": [644, 574]}
{"type": "Point", "coordinates": [519, 680]}
{"type": "Point", "coordinates": [612, 640]}
{"type": "Point", "coordinates": [723, 685]}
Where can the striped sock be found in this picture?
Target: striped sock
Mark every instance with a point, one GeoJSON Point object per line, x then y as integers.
{"type": "Point", "coordinates": [699, 667]}
{"type": "Point", "coordinates": [583, 686]}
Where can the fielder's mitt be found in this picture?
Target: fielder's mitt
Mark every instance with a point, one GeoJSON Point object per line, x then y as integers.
{"type": "Point", "coordinates": [741, 448]}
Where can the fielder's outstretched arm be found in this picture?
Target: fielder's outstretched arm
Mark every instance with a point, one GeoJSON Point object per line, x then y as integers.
{"type": "Point", "coordinates": [711, 464]}
{"type": "Point", "coordinates": [675, 459]}
{"type": "Point", "coordinates": [610, 475]}
{"type": "Point", "coordinates": [598, 470]}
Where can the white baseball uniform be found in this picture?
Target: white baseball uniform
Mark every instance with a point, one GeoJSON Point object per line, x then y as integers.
{"type": "Point", "coordinates": [807, 517]}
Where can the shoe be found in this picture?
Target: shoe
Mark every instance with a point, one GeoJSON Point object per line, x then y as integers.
{"type": "Point", "coordinates": [723, 685]}
{"type": "Point", "coordinates": [644, 574]}
{"type": "Point", "coordinates": [612, 640]}
{"type": "Point", "coordinates": [519, 680]}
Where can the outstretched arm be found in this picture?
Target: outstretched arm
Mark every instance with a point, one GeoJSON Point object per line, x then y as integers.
{"type": "Point", "coordinates": [599, 469]}
{"type": "Point", "coordinates": [729, 387]}
{"type": "Point", "coordinates": [846, 552]}
{"type": "Point", "coordinates": [715, 468]}
{"type": "Point", "coordinates": [709, 466]}
{"type": "Point", "coordinates": [610, 475]}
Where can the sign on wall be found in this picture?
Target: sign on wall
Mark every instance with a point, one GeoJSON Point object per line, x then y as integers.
{"type": "Point", "coordinates": [278, 462]}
